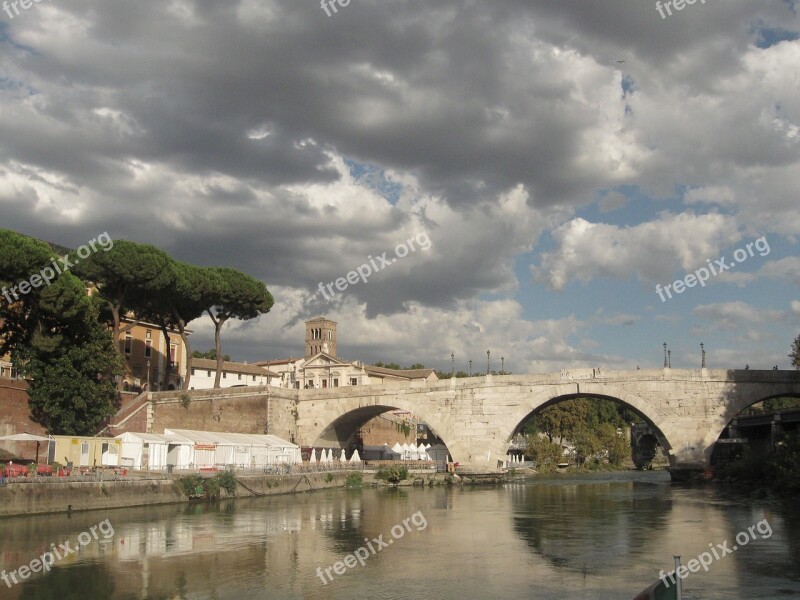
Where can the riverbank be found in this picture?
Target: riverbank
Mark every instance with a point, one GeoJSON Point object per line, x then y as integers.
{"type": "Point", "coordinates": [37, 497]}
{"type": "Point", "coordinates": [25, 498]}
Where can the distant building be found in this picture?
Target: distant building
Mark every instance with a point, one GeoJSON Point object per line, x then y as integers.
{"type": "Point", "coordinates": [144, 347]}
{"type": "Point", "coordinates": [320, 367]}
{"type": "Point", "coordinates": [234, 374]}
{"type": "Point", "coordinates": [6, 370]}
{"type": "Point", "coordinates": [320, 337]}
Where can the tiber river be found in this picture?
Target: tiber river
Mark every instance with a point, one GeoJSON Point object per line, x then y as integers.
{"type": "Point", "coordinates": [595, 537]}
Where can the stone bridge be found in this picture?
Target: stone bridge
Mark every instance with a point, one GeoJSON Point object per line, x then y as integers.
{"type": "Point", "coordinates": [477, 417]}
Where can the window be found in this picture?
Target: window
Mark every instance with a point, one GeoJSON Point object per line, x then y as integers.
{"type": "Point", "coordinates": [128, 343]}
{"type": "Point", "coordinates": [149, 335]}
{"type": "Point", "coordinates": [208, 373]}
{"type": "Point", "coordinates": [192, 370]}
{"type": "Point", "coordinates": [224, 375]}
{"type": "Point", "coordinates": [354, 381]}
{"type": "Point", "coordinates": [254, 377]}
{"type": "Point", "coordinates": [324, 383]}
{"type": "Point", "coordinates": [240, 376]}
{"type": "Point", "coordinates": [173, 353]}
{"type": "Point", "coordinates": [148, 348]}
{"type": "Point", "coordinates": [335, 382]}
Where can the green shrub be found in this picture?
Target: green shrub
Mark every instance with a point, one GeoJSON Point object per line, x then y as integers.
{"type": "Point", "coordinates": [211, 486]}
{"type": "Point", "coordinates": [354, 480]}
{"type": "Point", "coordinates": [779, 471]}
{"type": "Point", "coordinates": [227, 481]}
{"type": "Point", "coordinates": [329, 477]}
{"type": "Point", "coordinates": [392, 474]}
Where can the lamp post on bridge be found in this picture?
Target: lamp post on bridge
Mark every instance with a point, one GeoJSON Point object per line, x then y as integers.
{"type": "Point", "coordinates": [488, 362]}
{"type": "Point", "coordinates": [669, 359]}
{"type": "Point", "coordinates": [502, 365]}
{"type": "Point", "coordinates": [470, 367]}
{"type": "Point", "coordinates": [665, 355]}
{"type": "Point", "coordinates": [452, 365]}
{"type": "Point", "coordinates": [703, 355]}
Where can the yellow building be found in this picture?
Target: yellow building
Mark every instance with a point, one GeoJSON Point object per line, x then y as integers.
{"type": "Point", "coordinates": [144, 347]}
{"type": "Point", "coordinates": [85, 451]}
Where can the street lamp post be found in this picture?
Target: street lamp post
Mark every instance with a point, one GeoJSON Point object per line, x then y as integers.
{"type": "Point", "coordinates": [703, 355]}
{"type": "Point", "coordinates": [452, 365]}
{"type": "Point", "coordinates": [488, 362]}
{"type": "Point", "coordinates": [665, 355]}
{"type": "Point", "coordinates": [502, 365]}
{"type": "Point", "coordinates": [669, 359]}
{"type": "Point", "coordinates": [470, 367]}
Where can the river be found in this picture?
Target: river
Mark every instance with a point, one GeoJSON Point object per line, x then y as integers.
{"type": "Point", "coordinates": [603, 536]}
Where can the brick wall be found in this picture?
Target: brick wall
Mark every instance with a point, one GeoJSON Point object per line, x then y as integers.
{"type": "Point", "coordinates": [15, 417]}
{"type": "Point", "coordinates": [383, 430]}
{"type": "Point", "coordinates": [236, 410]}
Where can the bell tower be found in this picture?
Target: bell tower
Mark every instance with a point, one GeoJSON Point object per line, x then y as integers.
{"type": "Point", "coordinates": [320, 337]}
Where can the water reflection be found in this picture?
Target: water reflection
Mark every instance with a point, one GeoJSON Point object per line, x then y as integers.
{"type": "Point", "coordinates": [575, 524]}
{"type": "Point", "coordinates": [581, 538]}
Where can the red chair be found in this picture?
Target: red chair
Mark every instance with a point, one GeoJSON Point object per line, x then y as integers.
{"type": "Point", "coordinates": [16, 470]}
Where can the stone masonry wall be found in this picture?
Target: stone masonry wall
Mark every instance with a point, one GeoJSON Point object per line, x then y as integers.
{"type": "Point", "coordinates": [15, 417]}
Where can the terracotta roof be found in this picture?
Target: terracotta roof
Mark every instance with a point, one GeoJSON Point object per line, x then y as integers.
{"type": "Point", "coordinates": [399, 373]}
{"type": "Point", "coordinates": [231, 367]}
{"type": "Point", "coordinates": [280, 361]}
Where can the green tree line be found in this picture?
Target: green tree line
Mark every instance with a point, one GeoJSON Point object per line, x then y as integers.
{"type": "Point", "coordinates": [65, 342]}
{"type": "Point", "coordinates": [595, 427]}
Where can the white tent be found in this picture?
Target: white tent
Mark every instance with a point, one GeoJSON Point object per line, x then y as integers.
{"type": "Point", "coordinates": [29, 437]}
{"type": "Point", "coordinates": [313, 457]}
{"type": "Point", "coordinates": [355, 458]}
{"type": "Point", "coordinates": [342, 457]}
{"type": "Point", "coordinates": [243, 450]}
{"type": "Point", "coordinates": [154, 451]}
{"type": "Point", "coordinates": [422, 452]}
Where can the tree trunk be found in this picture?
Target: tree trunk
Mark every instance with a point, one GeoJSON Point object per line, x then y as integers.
{"type": "Point", "coordinates": [185, 339]}
{"type": "Point", "coordinates": [218, 323]}
{"type": "Point", "coordinates": [165, 381]}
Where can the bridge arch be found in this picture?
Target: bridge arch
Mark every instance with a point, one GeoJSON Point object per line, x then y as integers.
{"type": "Point", "coordinates": [744, 400]}
{"type": "Point", "coordinates": [340, 419]}
{"type": "Point", "coordinates": [631, 403]}
{"type": "Point", "coordinates": [740, 398]}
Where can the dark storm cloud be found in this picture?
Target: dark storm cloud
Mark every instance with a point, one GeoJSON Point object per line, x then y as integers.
{"type": "Point", "coordinates": [212, 128]}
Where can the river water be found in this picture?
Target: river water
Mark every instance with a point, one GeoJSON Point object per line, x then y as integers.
{"type": "Point", "coordinates": [596, 537]}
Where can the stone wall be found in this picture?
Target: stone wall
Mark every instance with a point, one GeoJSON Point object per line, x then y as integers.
{"type": "Point", "coordinates": [239, 410]}
{"type": "Point", "coordinates": [27, 498]}
{"type": "Point", "coordinates": [383, 430]}
{"type": "Point", "coordinates": [15, 417]}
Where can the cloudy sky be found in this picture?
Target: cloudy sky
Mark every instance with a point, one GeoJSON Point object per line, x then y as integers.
{"type": "Point", "coordinates": [561, 158]}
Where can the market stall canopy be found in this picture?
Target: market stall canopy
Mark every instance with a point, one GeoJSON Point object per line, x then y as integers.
{"type": "Point", "coordinates": [24, 437]}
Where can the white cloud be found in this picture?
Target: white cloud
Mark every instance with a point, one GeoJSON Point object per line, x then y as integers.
{"type": "Point", "coordinates": [650, 251]}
